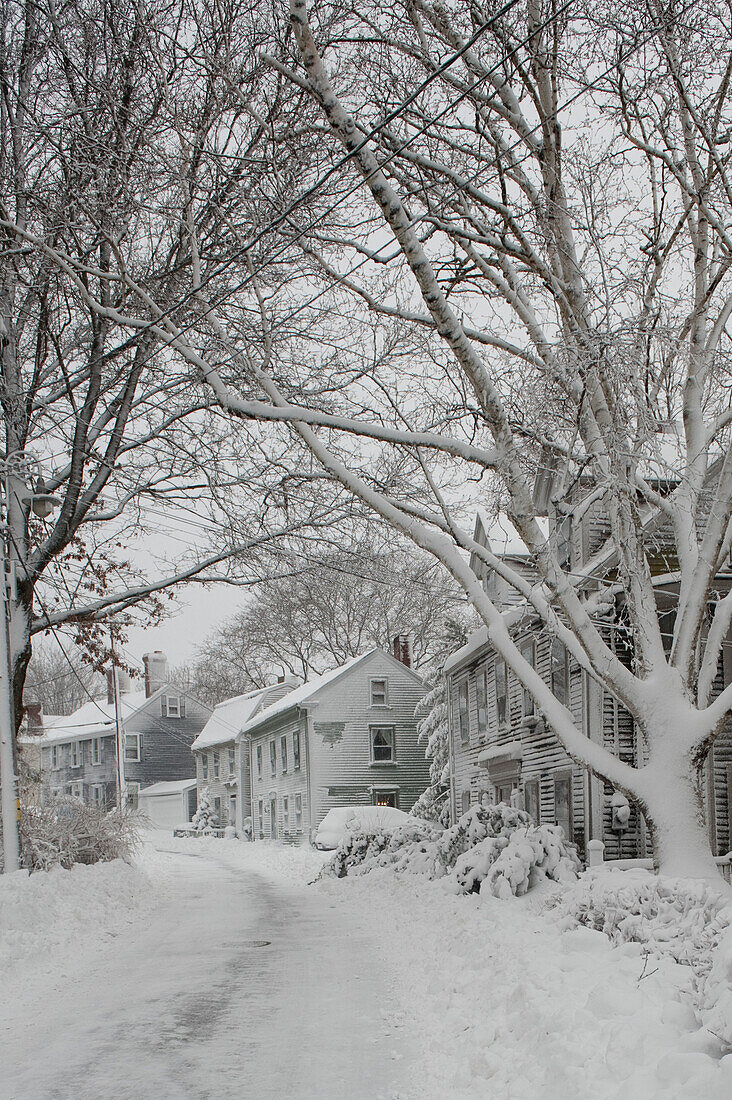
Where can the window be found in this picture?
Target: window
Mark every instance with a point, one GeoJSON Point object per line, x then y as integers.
{"type": "Point", "coordinates": [465, 802]}
{"type": "Point", "coordinates": [501, 692]}
{"type": "Point", "coordinates": [283, 753]}
{"type": "Point", "coordinates": [379, 694]}
{"type": "Point", "coordinates": [54, 756]}
{"type": "Point", "coordinates": [296, 750]}
{"type": "Point", "coordinates": [481, 701]}
{"type": "Point", "coordinates": [216, 765]}
{"type": "Point", "coordinates": [98, 795]}
{"type": "Point", "coordinates": [382, 745]}
{"type": "Point", "coordinates": [76, 754]}
{"type": "Point", "coordinates": [204, 765]}
{"type": "Point", "coordinates": [96, 750]}
{"type": "Point", "coordinates": [259, 761]}
{"type": "Point", "coordinates": [132, 791]}
{"type": "Point", "coordinates": [563, 802]}
{"type": "Point", "coordinates": [217, 808]}
{"type": "Point", "coordinates": [133, 746]}
{"type": "Point", "coordinates": [560, 672]}
{"type": "Point", "coordinates": [77, 791]}
{"type": "Point", "coordinates": [260, 808]}
{"type": "Point", "coordinates": [531, 800]}
{"type": "Point", "coordinates": [273, 757]}
{"type": "Point", "coordinates": [232, 761]}
{"type": "Point", "coordinates": [386, 798]}
{"type": "Point", "coordinates": [298, 811]}
{"type": "Point", "coordinates": [285, 812]}
{"type": "Point", "coordinates": [463, 714]}
{"type": "Point", "coordinates": [172, 706]}
{"type": "Point", "coordinates": [527, 702]}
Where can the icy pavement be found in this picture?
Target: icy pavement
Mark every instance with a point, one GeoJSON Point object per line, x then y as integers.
{"type": "Point", "coordinates": [188, 1001]}
{"type": "Point", "coordinates": [380, 986]}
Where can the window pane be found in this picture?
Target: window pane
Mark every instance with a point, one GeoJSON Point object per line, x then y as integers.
{"type": "Point", "coordinates": [563, 804]}
{"type": "Point", "coordinates": [382, 740]}
{"type": "Point", "coordinates": [559, 672]}
{"type": "Point", "coordinates": [501, 692]}
{"type": "Point", "coordinates": [481, 701]}
{"type": "Point", "coordinates": [527, 652]}
{"type": "Point", "coordinates": [378, 693]}
{"type": "Point", "coordinates": [296, 749]}
{"type": "Point", "coordinates": [464, 716]}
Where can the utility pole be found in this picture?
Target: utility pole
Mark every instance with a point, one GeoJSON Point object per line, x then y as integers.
{"type": "Point", "coordinates": [120, 733]}
{"type": "Point", "coordinates": [16, 471]}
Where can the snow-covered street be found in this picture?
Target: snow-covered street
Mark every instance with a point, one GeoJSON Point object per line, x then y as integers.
{"type": "Point", "coordinates": [159, 985]}
{"type": "Point", "coordinates": [187, 1001]}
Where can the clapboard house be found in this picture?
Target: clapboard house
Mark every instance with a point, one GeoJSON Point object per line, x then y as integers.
{"type": "Point", "coordinates": [78, 752]}
{"type": "Point", "coordinates": [221, 753]}
{"type": "Point", "coordinates": [348, 737]}
{"type": "Point", "coordinates": [501, 750]}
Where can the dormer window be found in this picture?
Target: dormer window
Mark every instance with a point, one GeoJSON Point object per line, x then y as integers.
{"type": "Point", "coordinates": [379, 693]}
{"type": "Point", "coordinates": [173, 706]}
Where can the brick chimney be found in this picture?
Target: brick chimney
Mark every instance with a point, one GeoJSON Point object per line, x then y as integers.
{"type": "Point", "coordinates": [402, 649]}
{"type": "Point", "coordinates": [34, 718]}
{"type": "Point", "coordinates": [156, 671]}
{"type": "Point", "coordinates": [125, 684]}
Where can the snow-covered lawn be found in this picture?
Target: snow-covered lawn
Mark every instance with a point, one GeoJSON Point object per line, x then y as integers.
{"type": "Point", "coordinates": [144, 976]}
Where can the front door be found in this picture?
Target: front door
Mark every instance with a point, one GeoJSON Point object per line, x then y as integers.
{"type": "Point", "coordinates": [273, 817]}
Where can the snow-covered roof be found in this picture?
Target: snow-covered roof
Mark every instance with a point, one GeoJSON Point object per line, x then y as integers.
{"type": "Point", "coordinates": [172, 786]}
{"type": "Point", "coordinates": [93, 719]}
{"type": "Point", "coordinates": [231, 716]}
{"type": "Point", "coordinates": [305, 692]}
{"type": "Point", "coordinates": [503, 538]}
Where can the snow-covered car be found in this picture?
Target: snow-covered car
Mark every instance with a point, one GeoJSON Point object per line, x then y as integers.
{"type": "Point", "coordinates": [349, 819]}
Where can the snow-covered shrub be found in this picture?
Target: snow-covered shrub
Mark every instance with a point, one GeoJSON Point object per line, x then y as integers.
{"type": "Point", "coordinates": [494, 849]}
{"type": "Point", "coordinates": [66, 831]}
{"type": "Point", "coordinates": [684, 919]}
{"type": "Point", "coordinates": [205, 818]}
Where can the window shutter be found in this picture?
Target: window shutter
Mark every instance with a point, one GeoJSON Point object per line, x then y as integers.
{"type": "Point", "coordinates": [139, 744]}
{"type": "Point", "coordinates": [163, 706]}
{"type": "Point", "coordinates": [182, 706]}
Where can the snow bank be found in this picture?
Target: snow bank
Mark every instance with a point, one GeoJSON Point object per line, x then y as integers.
{"type": "Point", "coordinates": [682, 919]}
{"type": "Point", "coordinates": [48, 911]}
{"type": "Point", "coordinates": [508, 1005]}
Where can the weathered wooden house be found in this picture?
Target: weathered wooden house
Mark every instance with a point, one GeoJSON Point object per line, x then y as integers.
{"type": "Point", "coordinates": [222, 755]}
{"type": "Point", "coordinates": [78, 752]}
{"type": "Point", "coordinates": [501, 750]}
{"type": "Point", "coordinates": [348, 737]}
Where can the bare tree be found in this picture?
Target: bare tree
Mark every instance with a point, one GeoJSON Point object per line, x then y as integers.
{"type": "Point", "coordinates": [320, 609]}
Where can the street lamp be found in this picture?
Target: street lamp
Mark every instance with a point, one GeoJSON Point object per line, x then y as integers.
{"type": "Point", "coordinates": [17, 470]}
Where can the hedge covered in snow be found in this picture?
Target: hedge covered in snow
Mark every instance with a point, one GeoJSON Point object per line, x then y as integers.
{"type": "Point", "coordinates": [684, 919]}
{"type": "Point", "coordinates": [495, 849]}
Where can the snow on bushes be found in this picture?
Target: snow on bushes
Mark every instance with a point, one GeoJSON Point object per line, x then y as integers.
{"type": "Point", "coordinates": [65, 832]}
{"type": "Point", "coordinates": [687, 920]}
{"type": "Point", "coordinates": [205, 818]}
{"type": "Point", "coordinates": [494, 849]}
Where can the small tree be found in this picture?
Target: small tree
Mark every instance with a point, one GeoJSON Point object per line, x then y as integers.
{"type": "Point", "coordinates": [205, 817]}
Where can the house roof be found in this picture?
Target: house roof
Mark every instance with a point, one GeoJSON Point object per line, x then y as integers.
{"type": "Point", "coordinates": [231, 716]}
{"type": "Point", "coordinates": [307, 692]}
{"type": "Point", "coordinates": [173, 786]}
{"type": "Point", "coordinates": [503, 538]}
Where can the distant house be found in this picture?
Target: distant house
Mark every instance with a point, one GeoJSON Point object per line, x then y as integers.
{"type": "Point", "coordinates": [77, 753]}
{"type": "Point", "coordinates": [502, 750]}
{"type": "Point", "coordinates": [222, 757]}
{"type": "Point", "coordinates": [346, 737]}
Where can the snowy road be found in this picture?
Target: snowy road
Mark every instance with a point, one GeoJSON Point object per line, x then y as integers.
{"type": "Point", "coordinates": [190, 1003]}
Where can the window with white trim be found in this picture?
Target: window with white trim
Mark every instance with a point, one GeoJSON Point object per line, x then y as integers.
{"type": "Point", "coordinates": [481, 701]}
{"type": "Point", "coordinates": [463, 714]}
{"type": "Point", "coordinates": [259, 761]}
{"type": "Point", "coordinates": [173, 706]}
{"type": "Point", "coordinates": [527, 700]}
{"type": "Point", "coordinates": [298, 811]}
{"type": "Point", "coordinates": [283, 753]}
{"type": "Point", "coordinates": [273, 757]}
{"type": "Point", "coordinates": [379, 693]}
{"type": "Point", "coordinates": [77, 790]}
{"type": "Point", "coordinates": [285, 812]}
{"type": "Point", "coordinates": [96, 750]}
{"type": "Point", "coordinates": [501, 681]}
{"type": "Point", "coordinates": [54, 756]}
{"type": "Point", "coordinates": [133, 746]}
{"type": "Point", "coordinates": [296, 751]}
{"type": "Point", "coordinates": [232, 761]}
{"type": "Point", "coordinates": [204, 765]}
{"type": "Point", "coordinates": [216, 765]}
{"type": "Point", "coordinates": [383, 745]}
{"type": "Point", "coordinates": [76, 754]}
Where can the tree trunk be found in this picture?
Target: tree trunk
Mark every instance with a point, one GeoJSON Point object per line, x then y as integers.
{"type": "Point", "coordinates": [674, 809]}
